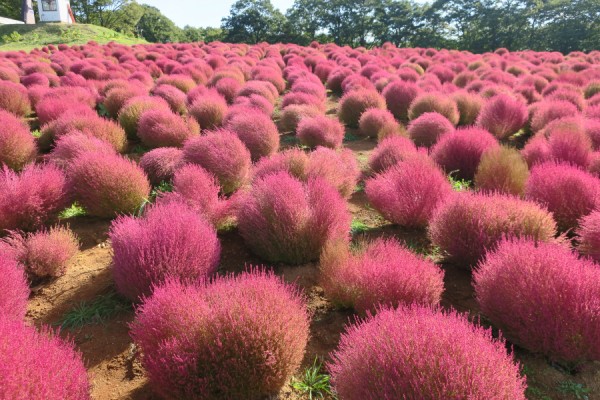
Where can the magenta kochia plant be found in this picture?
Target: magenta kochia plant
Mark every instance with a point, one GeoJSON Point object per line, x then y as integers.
{"type": "Point", "coordinates": [17, 145]}
{"type": "Point", "coordinates": [589, 235]}
{"type": "Point", "coordinates": [285, 220]}
{"type": "Point", "coordinates": [422, 353]}
{"type": "Point", "coordinates": [391, 151]}
{"type": "Point", "coordinates": [163, 128]}
{"type": "Point", "coordinates": [237, 337]}
{"type": "Point", "coordinates": [69, 147]}
{"type": "Point", "coordinates": [568, 192]}
{"type": "Point", "coordinates": [14, 290]}
{"type": "Point", "coordinates": [160, 164]}
{"type": "Point", "coordinates": [170, 240]}
{"type": "Point", "coordinates": [428, 128]}
{"type": "Point", "coordinates": [434, 102]}
{"type": "Point", "coordinates": [32, 198]}
{"type": "Point", "coordinates": [353, 104]}
{"type": "Point", "coordinates": [39, 365]}
{"type": "Point", "coordinates": [543, 297]}
{"type": "Point", "coordinates": [320, 131]}
{"type": "Point", "coordinates": [398, 96]}
{"type": "Point", "coordinates": [468, 224]}
{"type": "Point", "coordinates": [382, 272]}
{"type": "Point", "coordinates": [408, 193]}
{"type": "Point", "coordinates": [209, 110]}
{"type": "Point", "coordinates": [107, 185]}
{"type": "Point", "coordinates": [14, 99]}
{"type": "Point", "coordinates": [503, 116]}
{"type": "Point", "coordinates": [257, 131]}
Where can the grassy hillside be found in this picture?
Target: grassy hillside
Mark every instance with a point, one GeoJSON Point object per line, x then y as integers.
{"type": "Point", "coordinates": [28, 37]}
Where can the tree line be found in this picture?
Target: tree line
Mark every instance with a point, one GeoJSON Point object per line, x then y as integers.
{"type": "Point", "coordinates": [474, 25]}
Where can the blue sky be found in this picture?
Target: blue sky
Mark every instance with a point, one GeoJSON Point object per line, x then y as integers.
{"type": "Point", "coordinates": [202, 12]}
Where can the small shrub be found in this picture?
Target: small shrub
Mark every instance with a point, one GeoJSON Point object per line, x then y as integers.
{"type": "Point", "coordinates": [434, 102]}
{"type": "Point", "coordinates": [173, 96]}
{"type": "Point", "coordinates": [338, 167]}
{"type": "Point", "coordinates": [118, 97]}
{"type": "Point", "coordinates": [398, 96]}
{"type": "Point", "coordinates": [107, 185]}
{"type": "Point", "coordinates": [294, 161]}
{"type": "Point", "coordinates": [320, 131]}
{"type": "Point", "coordinates": [428, 128]}
{"type": "Point", "coordinates": [503, 116]}
{"type": "Point", "coordinates": [383, 272]}
{"type": "Point", "coordinates": [224, 155]}
{"type": "Point", "coordinates": [17, 145]}
{"type": "Point", "coordinates": [391, 151]}
{"type": "Point", "coordinates": [238, 337]}
{"type": "Point", "coordinates": [543, 297]}
{"type": "Point", "coordinates": [374, 120]}
{"type": "Point", "coordinates": [257, 131]}
{"type": "Point", "coordinates": [420, 353]}
{"type": "Point", "coordinates": [133, 109]}
{"type": "Point", "coordinates": [14, 291]}
{"type": "Point", "coordinates": [469, 106]}
{"type": "Point", "coordinates": [163, 128]}
{"type": "Point", "coordinates": [468, 224]}
{"type": "Point", "coordinates": [292, 115]}
{"type": "Point", "coordinates": [69, 147]}
{"type": "Point", "coordinates": [209, 110]}
{"type": "Point", "coordinates": [14, 99]}
{"type": "Point", "coordinates": [169, 241]}
{"type": "Point", "coordinates": [353, 104]}
{"type": "Point", "coordinates": [160, 164]}
{"type": "Point", "coordinates": [589, 235]}
{"type": "Point", "coordinates": [502, 170]}
{"type": "Point", "coordinates": [408, 192]}
{"type": "Point", "coordinates": [568, 192]}
{"type": "Point", "coordinates": [39, 365]}
{"type": "Point", "coordinates": [284, 220]}
{"type": "Point", "coordinates": [570, 146]}
{"type": "Point", "coordinates": [199, 189]}
{"type": "Point", "coordinates": [549, 110]}
{"type": "Point", "coordinates": [461, 151]}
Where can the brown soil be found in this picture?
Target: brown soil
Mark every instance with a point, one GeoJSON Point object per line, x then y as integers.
{"type": "Point", "coordinates": [113, 361]}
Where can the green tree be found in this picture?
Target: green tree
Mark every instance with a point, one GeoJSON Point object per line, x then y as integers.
{"type": "Point", "coordinates": [253, 21]}
{"type": "Point", "coordinates": [155, 27]}
{"type": "Point", "coordinates": [208, 34]}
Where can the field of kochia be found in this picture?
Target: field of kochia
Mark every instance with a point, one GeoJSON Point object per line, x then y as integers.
{"type": "Point", "coordinates": [227, 221]}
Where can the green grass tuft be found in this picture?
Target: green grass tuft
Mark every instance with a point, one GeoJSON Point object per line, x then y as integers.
{"type": "Point", "coordinates": [576, 390]}
{"type": "Point", "coordinates": [358, 227]}
{"type": "Point", "coordinates": [96, 311]}
{"type": "Point", "coordinates": [313, 382]}
{"type": "Point", "coordinates": [75, 210]}
{"type": "Point", "coordinates": [458, 185]}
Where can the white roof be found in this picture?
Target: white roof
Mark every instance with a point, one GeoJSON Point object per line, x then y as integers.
{"type": "Point", "coordinates": [8, 21]}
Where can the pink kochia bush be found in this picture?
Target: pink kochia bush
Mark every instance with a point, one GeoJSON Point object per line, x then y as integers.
{"type": "Point", "coordinates": [320, 131]}
{"type": "Point", "coordinates": [17, 145]}
{"type": "Point", "coordinates": [542, 297]}
{"type": "Point", "coordinates": [39, 365]}
{"type": "Point", "coordinates": [224, 155]}
{"type": "Point", "coordinates": [428, 128]}
{"type": "Point", "coordinates": [285, 220]}
{"type": "Point", "coordinates": [589, 235]}
{"type": "Point", "coordinates": [237, 337]}
{"type": "Point", "coordinates": [503, 116]}
{"type": "Point", "coordinates": [568, 192]}
{"type": "Point", "coordinates": [32, 198]}
{"type": "Point", "coordinates": [434, 102]}
{"type": "Point", "coordinates": [421, 353]}
{"type": "Point", "coordinates": [14, 99]}
{"type": "Point", "coordinates": [14, 290]}
{"type": "Point", "coordinates": [398, 97]}
{"type": "Point", "coordinates": [107, 185]}
{"type": "Point", "coordinates": [163, 128]}
{"type": "Point", "coordinates": [209, 110]}
{"type": "Point", "coordinates": [502, 169]}
{"type": "Point", "coordinates": [408, 193]}
{"type": "Point", "coordinates": [160, 164]}
{"type": "Point", "coordinates": [391, 151]}
{"type": "Point", "coordinates": [374, 120]}
{"type": "Point", "coordinates": [468, 224]}
{"type": "Point", "coordinates": [72, 145]}
{"type": "Point", "coordinates": [383, 272]}
{"type": "Point", "coordinates": [199, 189]}
{"type": "Point", "coordinates": [257, 131]}
{"type": "Point", "coordinates": [170, 241]}
{"type": "Point", "coordinates": [353, 104]}
{"type": "Point", "coordinates": [460, 151]}
{"type": "Point", "coordinates": [45, 253]}
{"type": "Point", "coordinates": [132, 110]}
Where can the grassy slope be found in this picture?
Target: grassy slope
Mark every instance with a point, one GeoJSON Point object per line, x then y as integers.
{"type": "Point", "coordinates": [39, 35]}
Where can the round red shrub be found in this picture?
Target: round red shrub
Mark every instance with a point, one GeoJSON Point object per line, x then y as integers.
{"type": "Point", "coordinates": [468, 224]}
{"type": "Point", "coordinates": [14, 291]}
{"type": "Point", "coordinates": [503, 116]}
{"type": "Point", "coordinates": [294, 161]}
{"type": "Point", "coordinates": [32, 198]}
{"type": "Point", "coordinates": [338, 167]}
{"type": "Point", "coordinates": [70, 146]}
{"type": "Point", "coordinates": [238, 337]}
{"type": "Point", "coordinates": [589, 235]}
{"type": "Point", "coordinates": [292, 115]}
{"type": "Point", "coordinates": [209, 110]}
{"type": "Point", "coordinates": [353, 104]}
{"type": "Point", "coordinates": [228, 88]}
{"type": "Point", "coordinates": [107, 185]}
{"type": "Point", "coordinates": [14, 98]}
{"type": "Point", "coordinates": [374, 120]}
{"type": "Point", "coordinates": [549, 110]}
{"type": "Point", "coordinates": [17, 145]}
{"type": "Point", "coordinates": [131, 112]}
{"type": "Point", "coordinates": [408, 192]}
{"type": "Point", "coordinates": [118, 97]}
{"type": "Point", "coordinates": [570, 146]}
{"type": "Point", "coordinates": [170, 241]}
{"type": "Point", "coordinates": [39, 365]}
{"type": "Point", "coordinates": [502, 169]}
{"type": "Point", "coordinates": [434, 102]}
{"type": "Point", "coordinates": [390, 151]}
{"type": "Point", "coordinates": [257, 131]}
{"type": "Point", "coordinates": [568, 192]}
{"type": "Point", "coordinates": [160, 164]}
{"type": "Point", "coordinates": [469, 106]}
{"type": "Point", "coordinates": [163, 128]}
{"type": "Point", "coordinates": [382, 272]}
{"type": "Point", "coordinates": [428, 128]}
{"type": "Point", "coordinates": [543, 297]}
{"type": "Point", "coordinates": [398, 97]}
{"type": "Point", "coordinates": [199, 189]}
{"type": "Point", "coordinates": [309, 215]}
{"type": "Point", "coordinates": [320, 131]}
{"type": "Point", "coordinates": [459, 152]}
{"type": "Point", "coordinates": [51, 109]}
{"type": "Point", "coordinates": [223, 154]}
{"type": "Point", "coordinates": [420, 353]}
{"type": "Point", "coordinates": [175, 97]}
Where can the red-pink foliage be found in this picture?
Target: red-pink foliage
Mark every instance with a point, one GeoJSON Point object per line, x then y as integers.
{"type": "Point", "coordinates": [589, 235]}
{"type": "Point", "coordinates": [209, 110]}
{"type": "Point", "coordinates": [175, 97]}
{"type": "Point", "coordinates": [502, 169]}
{"type": "Point", "coordinates": [51, 109]}
{"type": "Point", "coordinates": [302, 98]}
{"type": "Point", "coordinates": [160, 164]}
{"type": "Point", "coordinates": [428, 128]}
{"type": "Point", "coordinates": [224, 155]}
{"type": "Point", "coordinates": [116, 99]}
{"type": "Point", "coordinates": [353, 104]}
{"type": "Point", "coordinates": [170, 241]}
{"type": "Point", "coordinates": [338, 167]}
{"type": "Point", "coordinates": [17, 145]}
{"type": "Point", "coordinates": [542, 297]}
{"type": "Point", "coordinates": [462, 149]}
{"type": "Point", "coordinates": [549, 110]}
{"type": "Point", "coordinates": [238, 337]}
{"type": "Point", "coordinates": [39, 365]}
{"type": "Point", "coordinates": [261, 88]}
{"type": "Point", "coordinates": [14, 290]}
{"type": "Point", "coordinates": [320, 131]}
{"type": "Point", "coordinates": [228, 88]}
{"type": "Point", "coordinates": [292, 115]}
{"type": "Point", "coordinates": [421, 353]}
{"type": "Point", "coordinates": [70, 146]}
{"type": "Point", "coordinates": [131, 112]}
{"type": "Point", "coordinates": [382, 272]}
{"type": "Point", "coordinates": [373, 120]}
{"type": "Point", "coordinates": [468, 224]}
{"type": "Point", "coordinates": [14, 99]}
{"type": "Point", "coordinates": [32, 198]}
{"type": "Point", "coordinates": [408, 192]}
{"type": "Point", "coordinates": [503, 116]}
{"type": "Point", "coordinates": [107, 185]}
{"type": "Point", "coordinates": [398, 96]}
{"type": "Point", "coordinates": [469, 106]}
{"type": "Point", "coordinates": [391, 151]}
{"type": "Point", "coordinates": [309, 216]}
{"type": "Point", "coordinates": [163, 128]}
{"type": "Point", "coordinates": [568, 192]}
{"type": "Point", "coordinates": [199, 189]}
{"type": "Point", "coordinates": [294, 161]}
{"type": "Point", "coordinates": [570, 146]}
{"type": "Point", "coordinates": [434, 102]}
{"type": "Point", "coordinates": [257, 131]}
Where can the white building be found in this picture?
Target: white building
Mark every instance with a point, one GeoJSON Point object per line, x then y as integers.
{"type": "Point", "coordinates": [55, 11]}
